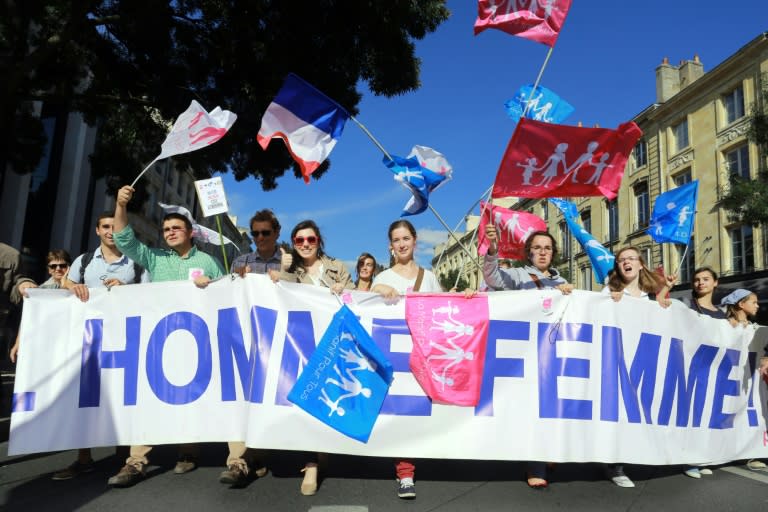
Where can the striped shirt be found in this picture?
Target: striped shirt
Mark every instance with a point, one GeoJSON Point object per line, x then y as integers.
{"type": "Point", "coordinates": [166, 264]}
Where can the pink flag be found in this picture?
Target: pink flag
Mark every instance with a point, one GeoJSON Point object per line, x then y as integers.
{"type": "Point", "coordinates": [449, 336]}
{"type": "Point", "coordinates": [513, 229]}
{"type": "Point", "coordinates": [195, 128]}
{"type": "Point", "coordinates": [537, 20]}
{"type": "Point", "coordinates": [554, 160]}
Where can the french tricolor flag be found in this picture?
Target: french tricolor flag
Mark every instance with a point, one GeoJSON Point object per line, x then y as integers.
{"type": "Point", "coordinates": [307, 120]}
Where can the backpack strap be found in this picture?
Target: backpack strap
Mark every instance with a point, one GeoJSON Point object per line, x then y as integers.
{"type": "Point", "coordinates": [536, 281]}
{"type": "Point", "coordinates": [137, 271]}
{"type": "Point", "coordinates": [85, 260]}
{"type": "Point", "coordinates": [419, 279]}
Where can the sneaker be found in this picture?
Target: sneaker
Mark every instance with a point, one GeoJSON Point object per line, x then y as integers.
{"type": "Point", "coordinates": [129, 475]}
{"type": "Point", "coordinates": [260, 472]}
{"type": "Point", "coordinates": [693, 472]}
{"type": "Point", "coordinates": [756, 465]}
{"type": "Point", "coordinates": [234, 475]}
{"type": "Point", "coordinates": [184, 466]}
{"type": "Point", "coordinates": [309, 483]}
{"type": "Point", "coordinates": [406, 489]}
{"type": "Point", "coordinates": [616, 475]}
{"type": "Point", "coordinates": [705, 471]}
{"type": "Point", "coordinates": [74, 469]}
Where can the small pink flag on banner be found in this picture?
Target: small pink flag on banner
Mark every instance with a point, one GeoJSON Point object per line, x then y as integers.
{"type": "Point", "coordinates": [196, 128]}
{"type": "Point", "coordinates": [449, 334]}
{"type": "Point", "coordinates": [537, 20]}
{"type": "Point", "coordinates": [513, 229]}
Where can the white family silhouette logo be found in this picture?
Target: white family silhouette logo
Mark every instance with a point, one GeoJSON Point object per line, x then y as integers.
{"type": "Point", "coordinates": [556, 161]}
{"type": "Point", "coordinates": [346, 379]}
{"type": "Point", "coordinates": [451, 353]}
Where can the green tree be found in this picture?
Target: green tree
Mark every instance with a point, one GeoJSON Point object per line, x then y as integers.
{"type": "Point", "coordinates": [747, 200]}
{"type": "Point", "coordinates": [123, 63]}
{"type": "Point", "coordinates": [448, 280]}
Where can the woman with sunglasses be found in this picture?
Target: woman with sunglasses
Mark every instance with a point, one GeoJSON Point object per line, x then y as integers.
{"type": "Point", "coordinates": [630, 276]}
{"type": "Point", "coordinates": [366, 271]}
{"type": "Point", "coordinates": [58, 262]}
{"type": "Point", "coordinates": [307, 263]}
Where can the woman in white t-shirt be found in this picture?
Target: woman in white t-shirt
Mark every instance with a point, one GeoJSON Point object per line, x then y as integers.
{"type": "Point", "coordinates": [404, 275]}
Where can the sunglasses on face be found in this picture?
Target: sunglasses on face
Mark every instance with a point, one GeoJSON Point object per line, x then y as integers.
{"type": "Point", "coordinates": [299, 240]}
{"type": "Point", "coordinates": [264, 232]}
{"type": "Point", "coordinates": [60, 266]}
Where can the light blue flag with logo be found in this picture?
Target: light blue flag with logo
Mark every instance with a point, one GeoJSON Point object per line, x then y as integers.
{"type": "Point", "coordinates": [543, 105]}
{"type": "Point", "coordinates": [599, 256]}
{"type": "Point", "coordinates": [419, 180]}
{"type": "Point", "coordinates": [673, 214]}
{"type": "Point", "coordinates": [345, 381]}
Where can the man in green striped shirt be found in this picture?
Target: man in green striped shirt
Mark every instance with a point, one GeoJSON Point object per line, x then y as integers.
{"type": "Point", "coordinates": [181, 262]}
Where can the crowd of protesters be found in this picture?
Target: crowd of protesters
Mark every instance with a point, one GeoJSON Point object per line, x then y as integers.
{"type": "Point", "coordinates": [121, 259]}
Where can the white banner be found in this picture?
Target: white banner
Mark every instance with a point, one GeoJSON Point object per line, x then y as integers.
{"type": "Point", "coordinates": [567, 378]}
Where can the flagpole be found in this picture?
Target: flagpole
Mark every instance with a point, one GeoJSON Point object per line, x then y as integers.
{"type": "Point", "coordinates": [221, 236]}
{"type": "Point", "coordinates": [682, 258]}
{"type": "Point", "coordinates": [142, 172]}
{"type": "Point", "coordinates": [389, 157]}
{"type": "Point", "coordinates": [538, 79]}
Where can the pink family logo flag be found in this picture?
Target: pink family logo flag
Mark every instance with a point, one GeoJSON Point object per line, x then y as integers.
{"type": "Point", "coordinates": [196, 128]}
{"type": "Point", "coordinates": [449, 334]}
{"type": "Point", "coordinates": [513, 230]}
{"type": "Point", "coordinates": [553, 160]}
{"type": "Point", "coordinates": [307, 120]}
{"type": "Point", "coordinates": [537, 20]}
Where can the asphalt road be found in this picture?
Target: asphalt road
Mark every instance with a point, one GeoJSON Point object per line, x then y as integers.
{"type": "Point", "coordinates": [358, 484]}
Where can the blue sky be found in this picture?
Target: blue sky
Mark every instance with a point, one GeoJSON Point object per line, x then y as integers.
{"type": "Point", "coordinates": [603, 64]}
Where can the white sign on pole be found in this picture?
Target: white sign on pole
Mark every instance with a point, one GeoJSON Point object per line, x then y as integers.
{"type": "Point", "coordinates": [213, 200]}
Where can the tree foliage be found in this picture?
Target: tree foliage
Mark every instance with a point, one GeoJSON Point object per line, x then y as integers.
{"type": "Point", "coordinates": [747, 200]}
{"type": "Point", "coordinates": [124, 62]}
{"type": "Point", "coordinates": [448, 280]}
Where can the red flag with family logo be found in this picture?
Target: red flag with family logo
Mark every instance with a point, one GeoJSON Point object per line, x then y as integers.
{"type": "Point", "coordinates": [537, 20]}
{"type": "Point", "coordinates": [513, 229]}
{"type": "Point", "coordinates": [449, 334]}
{"type": "Point", "coordinates": [554, 160]}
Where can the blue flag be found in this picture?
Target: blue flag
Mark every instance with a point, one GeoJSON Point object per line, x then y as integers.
{"type": "Point", "coordinates": [600, 257]}
{"type": "Point", "coordinates": [544, 105]}
{"type": "Point", "coordinates": [673, 214]}
{"type": "Point", "coordinates": [419, 180]}
{"type": "Point", "coordinates": [345, 381]}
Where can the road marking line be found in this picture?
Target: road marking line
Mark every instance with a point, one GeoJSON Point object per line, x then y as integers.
{"type": "Point", "coordinates": [760, 476]}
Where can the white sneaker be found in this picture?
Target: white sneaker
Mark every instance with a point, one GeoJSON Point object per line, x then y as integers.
{"type": "Point", "coordinates": [622, 481]}
{"type": "Point", "coordinates": [693, 472]}
{"type": "Point", "coordinates": [757, 465]}
{"type": "Point", "coordinates": [705, 471]}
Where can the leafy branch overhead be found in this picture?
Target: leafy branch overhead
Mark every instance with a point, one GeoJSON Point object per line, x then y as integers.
{"type": "Point", "coordinates": [123, 63]}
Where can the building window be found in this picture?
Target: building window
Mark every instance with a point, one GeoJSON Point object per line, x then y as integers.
{"type": "Point", "coordinates": [642, 205]}
{"type": "Point", "coordinates": [689, 263]}
{"type": "Point", "coordinates": [737, 162]}
{"type": "Point", "coordinates": [586, 221]}
{"type": "Point", "coordinates": [545, 210]}
{"type": "Point", "coordinates": [641, 153]}
{"type": "Point", "coordinates": [613, 220]}
{"type": "Point", "coordinates": [565, 240]}
{"type": "Point", "coordinates": [682, 178]}
{"type": "Point", "coordinates": [742, 250]}
{"type": "Point", "coordinates": [680, 131]}
{"type": "Point", "coordinates": [734, 105]}
{"type": "Point", "coordinates": [586, 278]}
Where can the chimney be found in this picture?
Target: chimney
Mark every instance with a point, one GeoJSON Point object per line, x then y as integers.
{"type": "Point", "coordinates": [690, 71]}
{"type": "Point", "coordinates": [667, 81]}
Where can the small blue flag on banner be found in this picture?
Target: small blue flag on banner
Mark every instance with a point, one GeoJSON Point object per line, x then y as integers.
{"type": "Point", "coordinates": [673, 214]}
{"type": "Point", "coordinates": [544, 105]}
{"type": "Point", "coordinates": [345, 381]}
{"type": "Point", "coordinates": [419, 180]}
{"type": "Point", "coordinates": [600, 257]}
